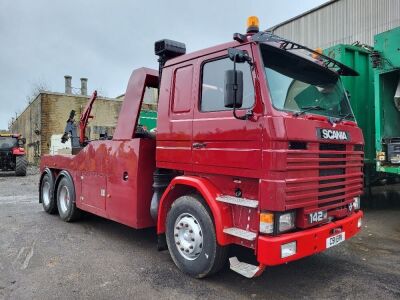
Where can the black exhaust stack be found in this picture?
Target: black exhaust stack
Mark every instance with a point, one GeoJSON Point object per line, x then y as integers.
{"type": "Point", "coordinates": [165, 50]}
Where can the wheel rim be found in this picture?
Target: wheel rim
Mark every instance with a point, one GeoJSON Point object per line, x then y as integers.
{"type": "Point", "coordinates": [188, 236]}
{"type": "Point", "coordinates": [46, 193]}
{"type": "Point", "coordinates": [64, 199]}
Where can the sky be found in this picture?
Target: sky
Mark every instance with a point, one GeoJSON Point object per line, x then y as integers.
{"type": "Point", "coordinates": [104, 41]}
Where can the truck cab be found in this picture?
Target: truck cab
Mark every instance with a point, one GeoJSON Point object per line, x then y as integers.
{"type": "Point", "coordinates": [256, 145]}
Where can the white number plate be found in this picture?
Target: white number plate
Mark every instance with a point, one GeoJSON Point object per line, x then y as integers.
{"type": "Point", "coordinates": [335, 239]}
{"type": "Point", "coordinates": [317, 216]}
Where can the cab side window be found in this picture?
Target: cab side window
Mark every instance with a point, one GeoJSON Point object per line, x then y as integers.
{"type": "Point", "coordinates": [212, 87]}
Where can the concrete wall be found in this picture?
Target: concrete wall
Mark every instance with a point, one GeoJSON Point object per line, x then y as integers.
{"type": "Point", "coordinates": [46, 116]}
{"type": "Point", "coordinates": [56, 109]}
{"type": "Point", "coordinates": [29, 125]}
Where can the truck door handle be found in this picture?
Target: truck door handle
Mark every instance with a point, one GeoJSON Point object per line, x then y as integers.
{"type": "Point", "coordinates": [199, 145]}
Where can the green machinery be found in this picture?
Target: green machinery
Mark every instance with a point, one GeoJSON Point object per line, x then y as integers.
{"type": "Point", "coordinates": [386, 64]}
{"type": "Point", "coordinates": [148, 118]}
{"type": "Point", "coordinates": [361, 92]}
{"type": "Point", "coordinates": [373, 97]}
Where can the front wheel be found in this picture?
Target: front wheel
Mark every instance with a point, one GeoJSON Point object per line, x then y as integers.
{"type": "Point", "coordinates": [191, 238]}
{"type": "Point", "coordinates": [66, 200]}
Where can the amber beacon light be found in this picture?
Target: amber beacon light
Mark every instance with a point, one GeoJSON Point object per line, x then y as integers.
{"type": "Point", "coordinates": [253, 24]}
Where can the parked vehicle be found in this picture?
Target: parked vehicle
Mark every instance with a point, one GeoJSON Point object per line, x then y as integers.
{"type": "Point", "coordinates": [375, 100]}
{"type": "Point", "coordinates": [255, 145]}
{"type": "Point", "coordinates": [12, 154]}
{"type": "Point", "coordinates": [386, 65]}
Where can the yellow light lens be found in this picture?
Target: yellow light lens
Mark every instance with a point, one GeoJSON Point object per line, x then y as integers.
{"type": "Point", "coordinates": [266, 222]}
{"type": "Point", "coordinates": [266, 217]}
{"type": "Point", "coordinates": [253, 21]}
{"type": "Point", "coordinates": [315, 55]}
{"type": "Point", "coordinates": [253, 24]}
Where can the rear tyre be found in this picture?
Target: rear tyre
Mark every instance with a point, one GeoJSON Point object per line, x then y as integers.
{"type": "Point", "coordinates": [66, 200]}
{"type": "Point", "coordinates": [191, 238]}
{"type": "Point", "coordinates": [47, 194]}
{"type": "Point", "coordinates": [20, 165]}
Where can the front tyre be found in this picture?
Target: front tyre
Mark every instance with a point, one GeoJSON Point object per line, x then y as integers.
{"type": "Point", "coordinates": [66, 200]}
{"type": "Point", "coordinates": [191, 238]}
{"type": "Point", "coordinates": [20, 165]}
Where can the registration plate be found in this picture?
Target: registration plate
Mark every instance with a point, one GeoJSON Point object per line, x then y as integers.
{"type": "Point", "coordinates": [335, 239]}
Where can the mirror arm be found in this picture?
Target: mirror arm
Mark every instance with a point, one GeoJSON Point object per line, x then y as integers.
{"type": "Point", "coordinates": [249, 113]}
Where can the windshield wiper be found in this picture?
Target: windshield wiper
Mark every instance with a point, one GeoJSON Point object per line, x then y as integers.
{"type": "Point", "coordinates": [305, 109]}
{"type": "Point", "coordinates": [345, 116]}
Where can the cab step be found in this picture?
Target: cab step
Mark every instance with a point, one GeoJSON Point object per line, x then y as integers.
{"type": "Point", "coordinates": [245, 269]}
{"type": "Point", "coordinates": [241, 233]}
{"type": "Point", "coordinates": [238, 201]}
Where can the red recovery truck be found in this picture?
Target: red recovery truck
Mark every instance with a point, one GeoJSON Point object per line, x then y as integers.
{"type": "Point", "coordinates": [256, 145]}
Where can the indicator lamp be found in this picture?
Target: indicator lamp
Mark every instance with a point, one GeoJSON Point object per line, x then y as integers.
{"type": "Point", "coordinates": [318, 52]}
{"type": "Point", "coordinates": [253, 24]}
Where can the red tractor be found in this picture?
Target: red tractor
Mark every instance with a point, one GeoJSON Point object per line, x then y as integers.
{"type": "Point", "coordinates": [12, 154]}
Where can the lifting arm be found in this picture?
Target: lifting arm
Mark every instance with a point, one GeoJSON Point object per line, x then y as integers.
{"type": "Point", "coordinates": [85, 116]}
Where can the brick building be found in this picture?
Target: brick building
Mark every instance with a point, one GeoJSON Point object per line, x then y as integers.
{"type": "Point", "coordinates": [43, 122]}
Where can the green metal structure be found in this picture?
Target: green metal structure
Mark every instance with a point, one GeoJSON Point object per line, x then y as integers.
{"type": "Point", "coordinates": [361, 92]}
{"type": "Point", "coordinates": [386, 64]}
{"type": "Point", "coordinates": [148, 118]}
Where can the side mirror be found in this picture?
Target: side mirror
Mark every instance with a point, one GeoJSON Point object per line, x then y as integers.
{"type": "Point", "coordinates": [233, 95]}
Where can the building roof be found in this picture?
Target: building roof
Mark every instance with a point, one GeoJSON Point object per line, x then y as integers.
{"type": "Point", "coordinates": [64, 95]}
{"type": "Point", "coordinates": [273, 28]}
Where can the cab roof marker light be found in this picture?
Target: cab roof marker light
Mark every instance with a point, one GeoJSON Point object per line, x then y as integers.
{"type": "Point", "coordinates": [253, 24]}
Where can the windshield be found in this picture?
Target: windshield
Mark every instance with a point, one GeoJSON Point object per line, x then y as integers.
{"type": "Point", "coordinates": [7, 142]}
{"type": "Point", "coordinates": [301, 85]}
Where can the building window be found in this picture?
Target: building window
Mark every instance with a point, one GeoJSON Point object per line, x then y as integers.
{"type": "Point", "coordinates": [213, 77]}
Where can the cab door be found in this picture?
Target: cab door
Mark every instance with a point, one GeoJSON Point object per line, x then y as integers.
{"type": "Point", "coordinates": [222, 143]}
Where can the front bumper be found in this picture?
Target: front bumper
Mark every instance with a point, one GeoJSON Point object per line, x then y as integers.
{"type": "Point", "coordinates": [308, 241]}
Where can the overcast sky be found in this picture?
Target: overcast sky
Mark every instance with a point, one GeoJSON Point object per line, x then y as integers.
{"type": "Point", "coordinates": [43, 40]}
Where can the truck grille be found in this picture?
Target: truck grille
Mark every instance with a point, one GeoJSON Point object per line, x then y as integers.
{"type": "Point", "coordinates": [335, 186]}
{"type": "Point", "coordinates": [323, 176]}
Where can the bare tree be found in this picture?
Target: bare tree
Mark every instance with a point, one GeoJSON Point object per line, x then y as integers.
{"type": "Point", "coordinates": [37, 87]}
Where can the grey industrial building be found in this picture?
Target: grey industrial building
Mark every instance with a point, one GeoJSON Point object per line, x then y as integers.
{"type": "Point", "coordinates": [341, 22]}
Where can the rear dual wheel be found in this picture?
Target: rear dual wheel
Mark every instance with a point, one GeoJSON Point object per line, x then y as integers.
{"type": "Point", "coordinates": [66, 200]}
{"type": "Point", "coordinates": [47, 194]}
{"type": "Point", "coordinates": [191, 238]}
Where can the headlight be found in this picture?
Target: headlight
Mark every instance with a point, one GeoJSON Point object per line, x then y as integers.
{"type": "Point", "coordinates": [286, 221]}
{"type": "Point", "coordinates": [356, 203]}
{"type": "Point", "coordinates": [266, 222]}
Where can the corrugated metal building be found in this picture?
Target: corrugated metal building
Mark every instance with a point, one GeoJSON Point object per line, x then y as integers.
{"type": "Point", "coordinates": [341, 22]}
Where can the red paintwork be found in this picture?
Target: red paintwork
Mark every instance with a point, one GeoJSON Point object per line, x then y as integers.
{"type": "Point", "coordinates": [310, 241]}
{"type": "Point", "coordinates": [251, 155]}
{"type": "Point", "coordinates": [220, 211]}
{"type": "Point", "coordinates": [85, 117]}
{"type": "Point", "coordinates": [100, 166]}
{"type": "Point", "coordinates": [18, 151]}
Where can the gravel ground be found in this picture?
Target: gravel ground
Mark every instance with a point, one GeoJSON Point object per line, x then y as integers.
{"type": "Point", "coordinates": [42, 257]}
